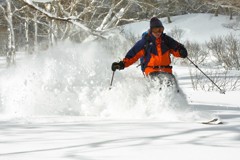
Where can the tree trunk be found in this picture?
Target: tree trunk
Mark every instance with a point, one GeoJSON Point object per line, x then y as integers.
{"type": "Point", "coordinates": [231, 13]}
{"type": "Point", "coordinates": [35, 34]}
{"type": "Point", "coordinates": [86, 15]}
{"type": "Point", "coordinates": [216, 11]}
{"type": "Point", "coordinates": [168, 14]}
{"type": "Point", "coordinates": [50, 33]}
{"type": "Point", "coordinates": [26, 35]}
{"type": "Point", "coordinates": [169, 18]}
{"type": "Point", "coordinates": [11, 36]}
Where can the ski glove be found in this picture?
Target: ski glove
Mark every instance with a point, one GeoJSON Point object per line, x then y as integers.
{"type": "Point", "coordinates": [183, 52]}
{"type": "Point", "coordinates": [118, 65]}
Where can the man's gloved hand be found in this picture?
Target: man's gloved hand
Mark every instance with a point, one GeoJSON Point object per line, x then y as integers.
{"type": "Point", "coordinates": [118, 65]}
{"type": "Point", "coordinates": [183, 52]}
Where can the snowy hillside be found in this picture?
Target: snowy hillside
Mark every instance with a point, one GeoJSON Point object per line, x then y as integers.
{"type": "Point", "coordinates": [196, 27]}
{"type": "Point", "coordinates": [57, 105]}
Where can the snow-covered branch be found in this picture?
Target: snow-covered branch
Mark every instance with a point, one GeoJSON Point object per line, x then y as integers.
{"type": "Point", "coordinates": [70, 19]}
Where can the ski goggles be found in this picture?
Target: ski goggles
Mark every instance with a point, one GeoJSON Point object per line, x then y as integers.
{"type": "Point", "coordinates": [157, 29]}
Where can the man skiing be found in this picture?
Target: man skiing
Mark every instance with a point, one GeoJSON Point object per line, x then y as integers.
{"type": "Point", "coordinates": [154, 50]}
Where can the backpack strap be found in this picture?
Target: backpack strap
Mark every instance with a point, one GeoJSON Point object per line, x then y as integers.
{"type": "Point", "coordinates": [146, 37]}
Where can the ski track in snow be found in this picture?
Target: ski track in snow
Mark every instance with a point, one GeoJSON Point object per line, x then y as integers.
{"type": "Point", "coordinates": [57, 105]}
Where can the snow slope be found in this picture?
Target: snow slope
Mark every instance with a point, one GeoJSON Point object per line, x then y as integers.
{"type": "Point", "coordinates": [196, 27]}
{"type": "Point", "coordinates": [57, 105]}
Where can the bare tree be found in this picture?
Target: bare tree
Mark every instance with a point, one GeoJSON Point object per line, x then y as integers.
{"type": "Point", "coordinates": [55, 20]}
{"type": "Point", "coordinates": [8, 15]}
{"type": "Point", "coordinates": [235, 25]}
{"type": "Point", "coordinates": [227, 6]}
{"type": "Point", "coordinates": [225, 79]}
{"type": "Point", "coordinates": [226, 49]}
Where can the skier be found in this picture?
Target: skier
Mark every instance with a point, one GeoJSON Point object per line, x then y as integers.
{"type": "Point", "coordinates": [154, 50]}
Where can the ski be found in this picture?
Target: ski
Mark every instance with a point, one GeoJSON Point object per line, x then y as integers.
{"type": "Point", "coordinates": [213, 121]}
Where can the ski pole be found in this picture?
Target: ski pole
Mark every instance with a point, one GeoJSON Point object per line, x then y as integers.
{"type": "Point", "coordinates": [111, 80]}
{"type": "Point", "coordinates": [221, 91]}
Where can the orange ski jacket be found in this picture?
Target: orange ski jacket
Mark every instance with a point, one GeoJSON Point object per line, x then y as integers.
{"type": "Point", "coordinates": [156, 57]}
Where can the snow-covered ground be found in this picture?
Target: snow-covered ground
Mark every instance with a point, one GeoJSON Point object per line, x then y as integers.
{"type": "Point", "coordinates": [57, 105]}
